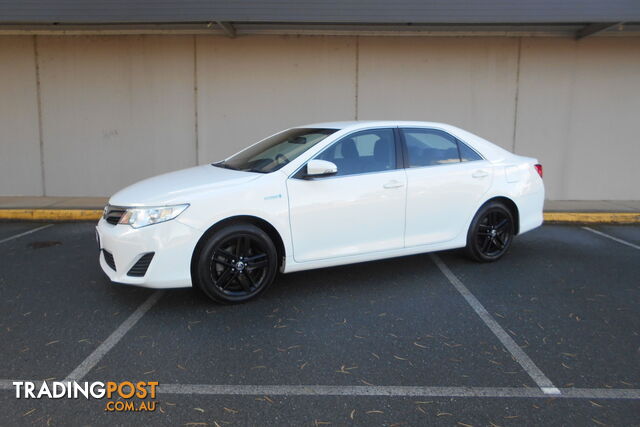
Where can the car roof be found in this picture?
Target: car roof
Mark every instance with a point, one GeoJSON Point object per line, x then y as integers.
{"type": "Point", "coordinates": [356, 124]}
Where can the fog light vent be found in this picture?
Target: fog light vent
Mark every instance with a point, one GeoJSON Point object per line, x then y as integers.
{"type": "Point", "coordinates": [139, 269]}
{"type": "Point", "coordinates": [108, 257]}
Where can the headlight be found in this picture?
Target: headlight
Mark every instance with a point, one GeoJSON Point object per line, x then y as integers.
{"type": "Point", "coordinates": [141, 217]}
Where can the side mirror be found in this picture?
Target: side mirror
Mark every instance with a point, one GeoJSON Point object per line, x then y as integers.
{"type": "Point", "coordinates": [317, 168]}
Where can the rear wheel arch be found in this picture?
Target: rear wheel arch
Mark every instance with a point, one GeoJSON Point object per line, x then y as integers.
{"type": "Point", "coordinates": [262, 224]}
{"type": "Point", "coordinates": [509, 204]}
{"type": "Point", "coordinates": [491, 231]}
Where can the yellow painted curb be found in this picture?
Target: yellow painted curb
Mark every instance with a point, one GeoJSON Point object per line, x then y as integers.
{"type": "Point", "coordinates": [51, 214]}
{"type": "Point", "coordinates": [593, 217]}
{"type": "Point", "coordinates": [94, 215]}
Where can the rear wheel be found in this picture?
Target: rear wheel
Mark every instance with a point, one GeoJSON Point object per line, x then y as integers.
{"type": "Point", "coordinates": [236, 264]}
{"type": "Point", "coordinates": [491, 233]}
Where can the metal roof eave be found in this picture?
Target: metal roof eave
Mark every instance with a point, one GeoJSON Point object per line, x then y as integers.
{"type": "Point", "coordinates": [233, 29]}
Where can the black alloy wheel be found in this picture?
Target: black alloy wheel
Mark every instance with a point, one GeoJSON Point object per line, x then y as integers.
{"type": "Point", "coordinates": [236, 264]}
{"type": "Point", "coordinates": [491, 233]}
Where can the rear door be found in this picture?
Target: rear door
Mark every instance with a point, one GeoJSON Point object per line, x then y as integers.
{"type": "Point", "coordinates": [360, 209]}
{"type": "Point", "coordinates": [445, 181]}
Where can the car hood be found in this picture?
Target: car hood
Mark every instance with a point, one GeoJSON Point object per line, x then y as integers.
{"type": "Point", "coordinates": [178, 187]}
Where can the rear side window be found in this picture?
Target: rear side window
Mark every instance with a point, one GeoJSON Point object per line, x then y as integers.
{"type": "Point", "coordinates": [429, 147]}
{"type": "Point", "coordinates": [466, 153]}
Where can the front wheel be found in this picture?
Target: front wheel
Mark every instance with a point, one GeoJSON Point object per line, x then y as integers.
{"type": "Point", "coordinates": [236, 264]}
{"type": "Point", "coordinates": [491, 233]}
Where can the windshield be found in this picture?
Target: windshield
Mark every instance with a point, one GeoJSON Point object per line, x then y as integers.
{"type": "Point", "coordinates": [274, 152]}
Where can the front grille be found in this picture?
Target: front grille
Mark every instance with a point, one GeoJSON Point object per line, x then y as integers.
{"type": "Point", "coordinates": [139, 269]}
{"type": "Point", "coordinates": [112, 214]}
{"type": "Point", "coordinates": [108, 257]}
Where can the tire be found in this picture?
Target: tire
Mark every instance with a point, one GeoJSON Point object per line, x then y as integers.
{"type": "Point", "coordinates": [491, 233]}
{"type": "Point", "coordinates": [236, 264]}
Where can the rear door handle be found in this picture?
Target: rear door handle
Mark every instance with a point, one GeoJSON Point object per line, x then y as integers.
{"type": "Point", "coordinates": [393, 184]}
{"type": "Point", "coordinates": [480, 174]}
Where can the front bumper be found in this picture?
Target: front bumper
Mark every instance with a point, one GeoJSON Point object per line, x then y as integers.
{"type": "Point", "coordinates": [171, 242]}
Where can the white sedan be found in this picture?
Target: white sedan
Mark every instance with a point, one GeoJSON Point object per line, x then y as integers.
{"type": "Point", "coordinates": [317, 196]}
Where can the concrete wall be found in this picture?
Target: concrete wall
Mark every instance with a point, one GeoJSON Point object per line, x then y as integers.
{"type": "Point", "coordinates": [249, 88]}
{"type": "Point", "coordinates": [114, 110]}
{"type": "Point", "coordinates": [87, 115]}
{"type": "Point", "coordinates": [469, 83]}
{"type": "Point", "coordinates": [20, 169]}
{"type": "Point", "coordinates": [579, 111]}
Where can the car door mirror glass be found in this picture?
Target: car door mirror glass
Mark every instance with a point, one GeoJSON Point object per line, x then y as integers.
{"type": "Point", "coordinates": [317, 168]}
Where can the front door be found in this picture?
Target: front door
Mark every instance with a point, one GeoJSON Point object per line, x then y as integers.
{"type": "Point", "coordinates": [360, 209]}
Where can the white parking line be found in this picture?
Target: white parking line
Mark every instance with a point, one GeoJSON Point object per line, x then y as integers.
{"type": "Point", "coordinates": [393, 391]}
{"type": "Point", "coordinates": [615, 239]}
{"type": "Point", "coordinates": [388, 391]}
{"type": "Point", "coordinates": [518, 354]}
{"type": "Point", "coordinates": [113, 339]}
{"type": "Point", "coordinates": [26, 232]}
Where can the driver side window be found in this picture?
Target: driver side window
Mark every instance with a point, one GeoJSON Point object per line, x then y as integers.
{"type": "Point", "coordinates": [363, 152]}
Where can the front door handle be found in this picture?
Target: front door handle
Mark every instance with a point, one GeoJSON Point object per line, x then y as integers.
{"type": "Point", "coordinates": [393, 184]}
{"type": "Point", "coordinates": [480, 174]}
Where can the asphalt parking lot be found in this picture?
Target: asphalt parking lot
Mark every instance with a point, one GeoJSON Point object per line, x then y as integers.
{"type": "Point", "coordinates": [550, 334]}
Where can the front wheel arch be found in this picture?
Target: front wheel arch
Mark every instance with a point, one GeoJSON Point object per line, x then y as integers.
{"type": "Point", "coordinates": [265, 226]}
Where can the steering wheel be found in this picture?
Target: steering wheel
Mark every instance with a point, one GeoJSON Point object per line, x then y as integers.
{"type": "Point", "coordinates": [281, 159]}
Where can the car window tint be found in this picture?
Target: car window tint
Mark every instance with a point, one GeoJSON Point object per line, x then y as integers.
{"type": "Point", "coordinates": [363, 152]}
{"type": "Point", "coordinates": [467, 154]}
{"type": "Point", "coordinates": [427, 147]}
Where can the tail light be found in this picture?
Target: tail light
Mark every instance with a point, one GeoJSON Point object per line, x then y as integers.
{"type": "Point", "coordinates": [538, 169]}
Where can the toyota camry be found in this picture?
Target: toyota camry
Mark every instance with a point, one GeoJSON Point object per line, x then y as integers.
{"type": "Point", "coordinates": [317, 196]}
